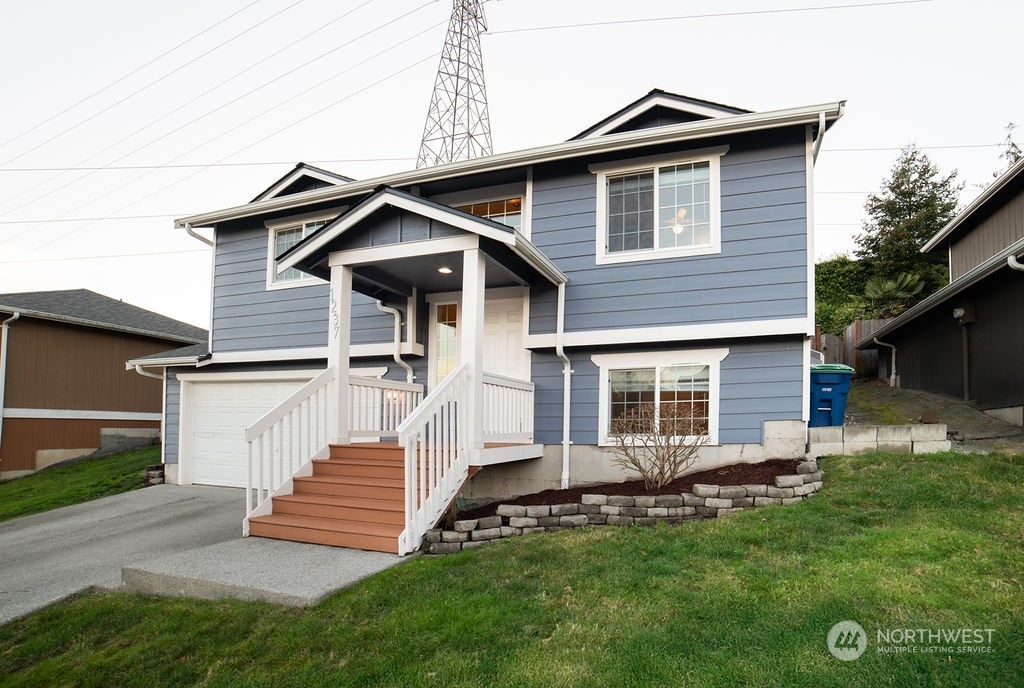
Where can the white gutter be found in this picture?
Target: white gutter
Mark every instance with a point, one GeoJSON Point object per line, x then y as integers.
{"type": "Point", "coordinates": [892, 364]}
{"type": "Point", "coordinates": [566, 382]}
{"type": "Point", "coordinates": [4, 327]}
{"type": "Point", "coordinates": [192, 233]}
{"type": "Point", "coordinates": [398, 338]}
{"type": "Point", "coordinates": [1012, 261]}
{"type": "Point", "coordinates": [721, 126]}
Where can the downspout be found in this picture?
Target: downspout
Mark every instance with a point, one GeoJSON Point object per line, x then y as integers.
{"type": "Point", "coordinates": [398, 338]}
{"type": "Point", "coordinates": [820, 137]}
{"type": "Point", "coordinates": [1012, 261]}
{"type": "Point", "coordinates": [192, 233]}
{"type": "Point", "coordinates": [3, 365]}
{"type": "Point", "coordinates": [892, 366]}
{"type": "Point", "coordinates": [566, 382]}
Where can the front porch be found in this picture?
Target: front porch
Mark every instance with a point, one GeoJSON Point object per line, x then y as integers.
{"type": "Point", "coordinates": [326, 439]}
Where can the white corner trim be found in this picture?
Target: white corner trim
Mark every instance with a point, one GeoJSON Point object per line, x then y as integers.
{"type": "Point", "coordinates": [809, 184]}
{"type": "Point", "coordinates": [527, 214]}
{"type": "Point", "coordinates": [676, 333]}
{"type": "Point", "coordinates": [80, 414]}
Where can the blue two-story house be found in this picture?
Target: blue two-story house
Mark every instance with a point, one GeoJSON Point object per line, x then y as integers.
{"type": "Point", "coordinates": [379, 346]}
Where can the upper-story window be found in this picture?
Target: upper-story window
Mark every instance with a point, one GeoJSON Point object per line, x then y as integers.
{"type": "Point", "coordinates": [284, 235]}
{"type": "Point", "coordinates": [507, 211]}
{"type": "Point", "coordinates": [659, 207]}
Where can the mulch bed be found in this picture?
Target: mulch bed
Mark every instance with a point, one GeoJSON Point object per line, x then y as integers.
{"type": "Point", "coordinates": [763, 473]}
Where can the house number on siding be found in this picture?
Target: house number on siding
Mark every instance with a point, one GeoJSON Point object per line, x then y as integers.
{"type": "Point", "coordinates": [335, 317]}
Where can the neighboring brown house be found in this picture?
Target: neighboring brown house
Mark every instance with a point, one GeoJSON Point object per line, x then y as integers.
{"type": "Point", "coordinates": [62, 374]}
{"type": "Point", "coordinates": [965, 339]}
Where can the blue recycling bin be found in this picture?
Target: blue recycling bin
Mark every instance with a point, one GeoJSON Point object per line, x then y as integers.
{"type": "Point", "coordinates": [830, 383]}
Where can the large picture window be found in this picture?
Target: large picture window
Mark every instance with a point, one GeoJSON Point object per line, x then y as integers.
{"type": "Point", "coordinates": [680, 387]}
{"type": "Point", "coordinates": [658, 207]}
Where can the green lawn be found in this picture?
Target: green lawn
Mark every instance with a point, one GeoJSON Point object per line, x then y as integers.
{"type": "Point", "coordinates": [75, 483]}
{"type": "Point", "coordinates": [920, 542]}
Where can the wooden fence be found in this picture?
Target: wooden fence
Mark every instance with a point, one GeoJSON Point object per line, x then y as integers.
{"type": "Point", "coordinates": [841, 349]}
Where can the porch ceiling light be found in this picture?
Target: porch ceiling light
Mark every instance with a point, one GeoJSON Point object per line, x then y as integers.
{"type": "Point", "coordinates": [445, 270]}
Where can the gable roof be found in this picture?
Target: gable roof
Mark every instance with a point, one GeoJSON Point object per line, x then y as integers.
{"type": "Point", "coordinates": [297, 173]}
{"type": "Point", "coordinates": [1011, 181]}
{"type": "Point", "coordinates": [305, 254]}
{"type": "Point", "coordinates": [675, 133]}
{"type": "Point", "coordinates": [695, 107]}
{"type": "Point", "coordinates": [89, 309]}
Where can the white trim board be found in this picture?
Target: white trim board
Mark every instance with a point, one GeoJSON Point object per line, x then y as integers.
{"type": "Point", "coordinates": [704, 331]}
{"type": "Point", "coordinates": [80, 414]}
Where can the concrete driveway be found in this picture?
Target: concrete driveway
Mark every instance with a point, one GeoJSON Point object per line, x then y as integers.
{"type": "Point", "coordinates": [47, 557]}
{"type": "Point", "coordinates": [167, 540]}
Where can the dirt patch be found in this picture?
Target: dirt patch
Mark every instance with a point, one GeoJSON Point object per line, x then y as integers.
{"type": "Point", "coordinates": [763, 473]}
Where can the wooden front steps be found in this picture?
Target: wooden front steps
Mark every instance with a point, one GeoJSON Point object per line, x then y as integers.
{"type": "Point", "coordinates": [353, 499]}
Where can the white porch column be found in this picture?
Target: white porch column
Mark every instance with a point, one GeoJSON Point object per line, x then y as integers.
{"type": "Point", "coordinates": [471, 330]}
{"type": "Point", "coordinates": [339, 333]}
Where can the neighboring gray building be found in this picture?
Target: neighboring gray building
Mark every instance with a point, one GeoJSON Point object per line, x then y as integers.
{"type": "Point", "coordinates": [964, 340]}
{"type": "Point", "coordinates": [664, 254]}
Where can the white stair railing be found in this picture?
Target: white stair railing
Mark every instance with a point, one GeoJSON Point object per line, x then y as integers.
{"type": "Point", "coordinates": [378, 407]}
{"type": "Point", "coordinates": [283, 443]}
{"type": "Point", "coordinates": [286, 440]}
{"type": "Point", "coordinates": [508, 409]}
{"type": "Point", "coordinates": [436, 462]}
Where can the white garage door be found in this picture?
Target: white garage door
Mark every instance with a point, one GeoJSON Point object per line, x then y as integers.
{"type": "Point", "coordinates": [220, 413]}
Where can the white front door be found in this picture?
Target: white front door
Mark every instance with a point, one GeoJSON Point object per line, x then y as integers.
{"type": "Point", "coordinates": [502, 337]}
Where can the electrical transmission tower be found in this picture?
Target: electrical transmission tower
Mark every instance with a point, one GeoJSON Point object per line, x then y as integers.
{"type": "Point", "coordinates": [457, 126]}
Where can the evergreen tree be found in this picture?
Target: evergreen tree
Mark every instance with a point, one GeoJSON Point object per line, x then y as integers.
{"type": "Point", "coordinates": [1011, 151]}
{"type": "Point", "coordinates": [914, 203]}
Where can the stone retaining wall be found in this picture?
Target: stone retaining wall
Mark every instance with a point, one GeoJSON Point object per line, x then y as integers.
{"type": "Point", "coordinates": [706, 501]}
{"type": "Point", "coordinates": [850, 440]}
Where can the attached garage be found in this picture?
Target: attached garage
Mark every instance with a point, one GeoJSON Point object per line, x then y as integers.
{"type": "Point", "coordinates": [215, 410]}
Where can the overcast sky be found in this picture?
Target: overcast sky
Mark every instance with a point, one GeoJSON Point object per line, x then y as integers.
{"type": "Point", "coordinates": [185, 107]}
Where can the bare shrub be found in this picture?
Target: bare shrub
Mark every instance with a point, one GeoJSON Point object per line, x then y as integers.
{"type": "Point", "coordinates": [659, 444]}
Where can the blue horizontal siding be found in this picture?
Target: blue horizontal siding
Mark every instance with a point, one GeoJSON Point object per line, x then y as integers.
{"type": "Point", "coordinates": [761, 271]}
{"type": "Point", "coordinates": [249, 317]}
{"type": "Point", "coordinates": [760, 381]}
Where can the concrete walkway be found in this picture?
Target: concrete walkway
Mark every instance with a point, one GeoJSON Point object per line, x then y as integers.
{"type": "Point", "coordinates": [169, 540]}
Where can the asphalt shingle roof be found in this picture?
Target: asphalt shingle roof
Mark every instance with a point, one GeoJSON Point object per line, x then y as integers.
{"type": "Point", "coordinates": [87, 308]}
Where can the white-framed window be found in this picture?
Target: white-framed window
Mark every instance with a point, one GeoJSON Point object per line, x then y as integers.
{"type": "Point", "coordinates": [680, 384]}
{"type": "Point", "coordinates": [508, 204]}
{"type": "Point", "coordinates": [282, 236]}
{"type": "Point", "coordinates": [662, 206]}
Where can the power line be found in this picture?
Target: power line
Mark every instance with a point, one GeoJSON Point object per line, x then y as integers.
{"type": "Point", "coordinates": [91, 219]}
{"type": "Point", "coordinates": [247, 146]}
{"type": "Point", "coordinates": [892, 150]}
{"type": "Point", "coordinates": [282, 102]}
{"type": "Point", "coordinates": [153, 83]}
{"type": "Point", "coordinates": [787, 10]}
{"type": "Point", "coordinates": [104, 257]}
{"type": "Point", "coordinates": [178, 108]}
{"type": "Point", "coordinates": [199, 164]}
{"type": "Point", "coordinates": [129, 74]}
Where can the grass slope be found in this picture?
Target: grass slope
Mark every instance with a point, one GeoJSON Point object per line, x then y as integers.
{"type": "Point", "coordinates": [893, 542]}
{"type": "Point", "coordinates": [75, 483]}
